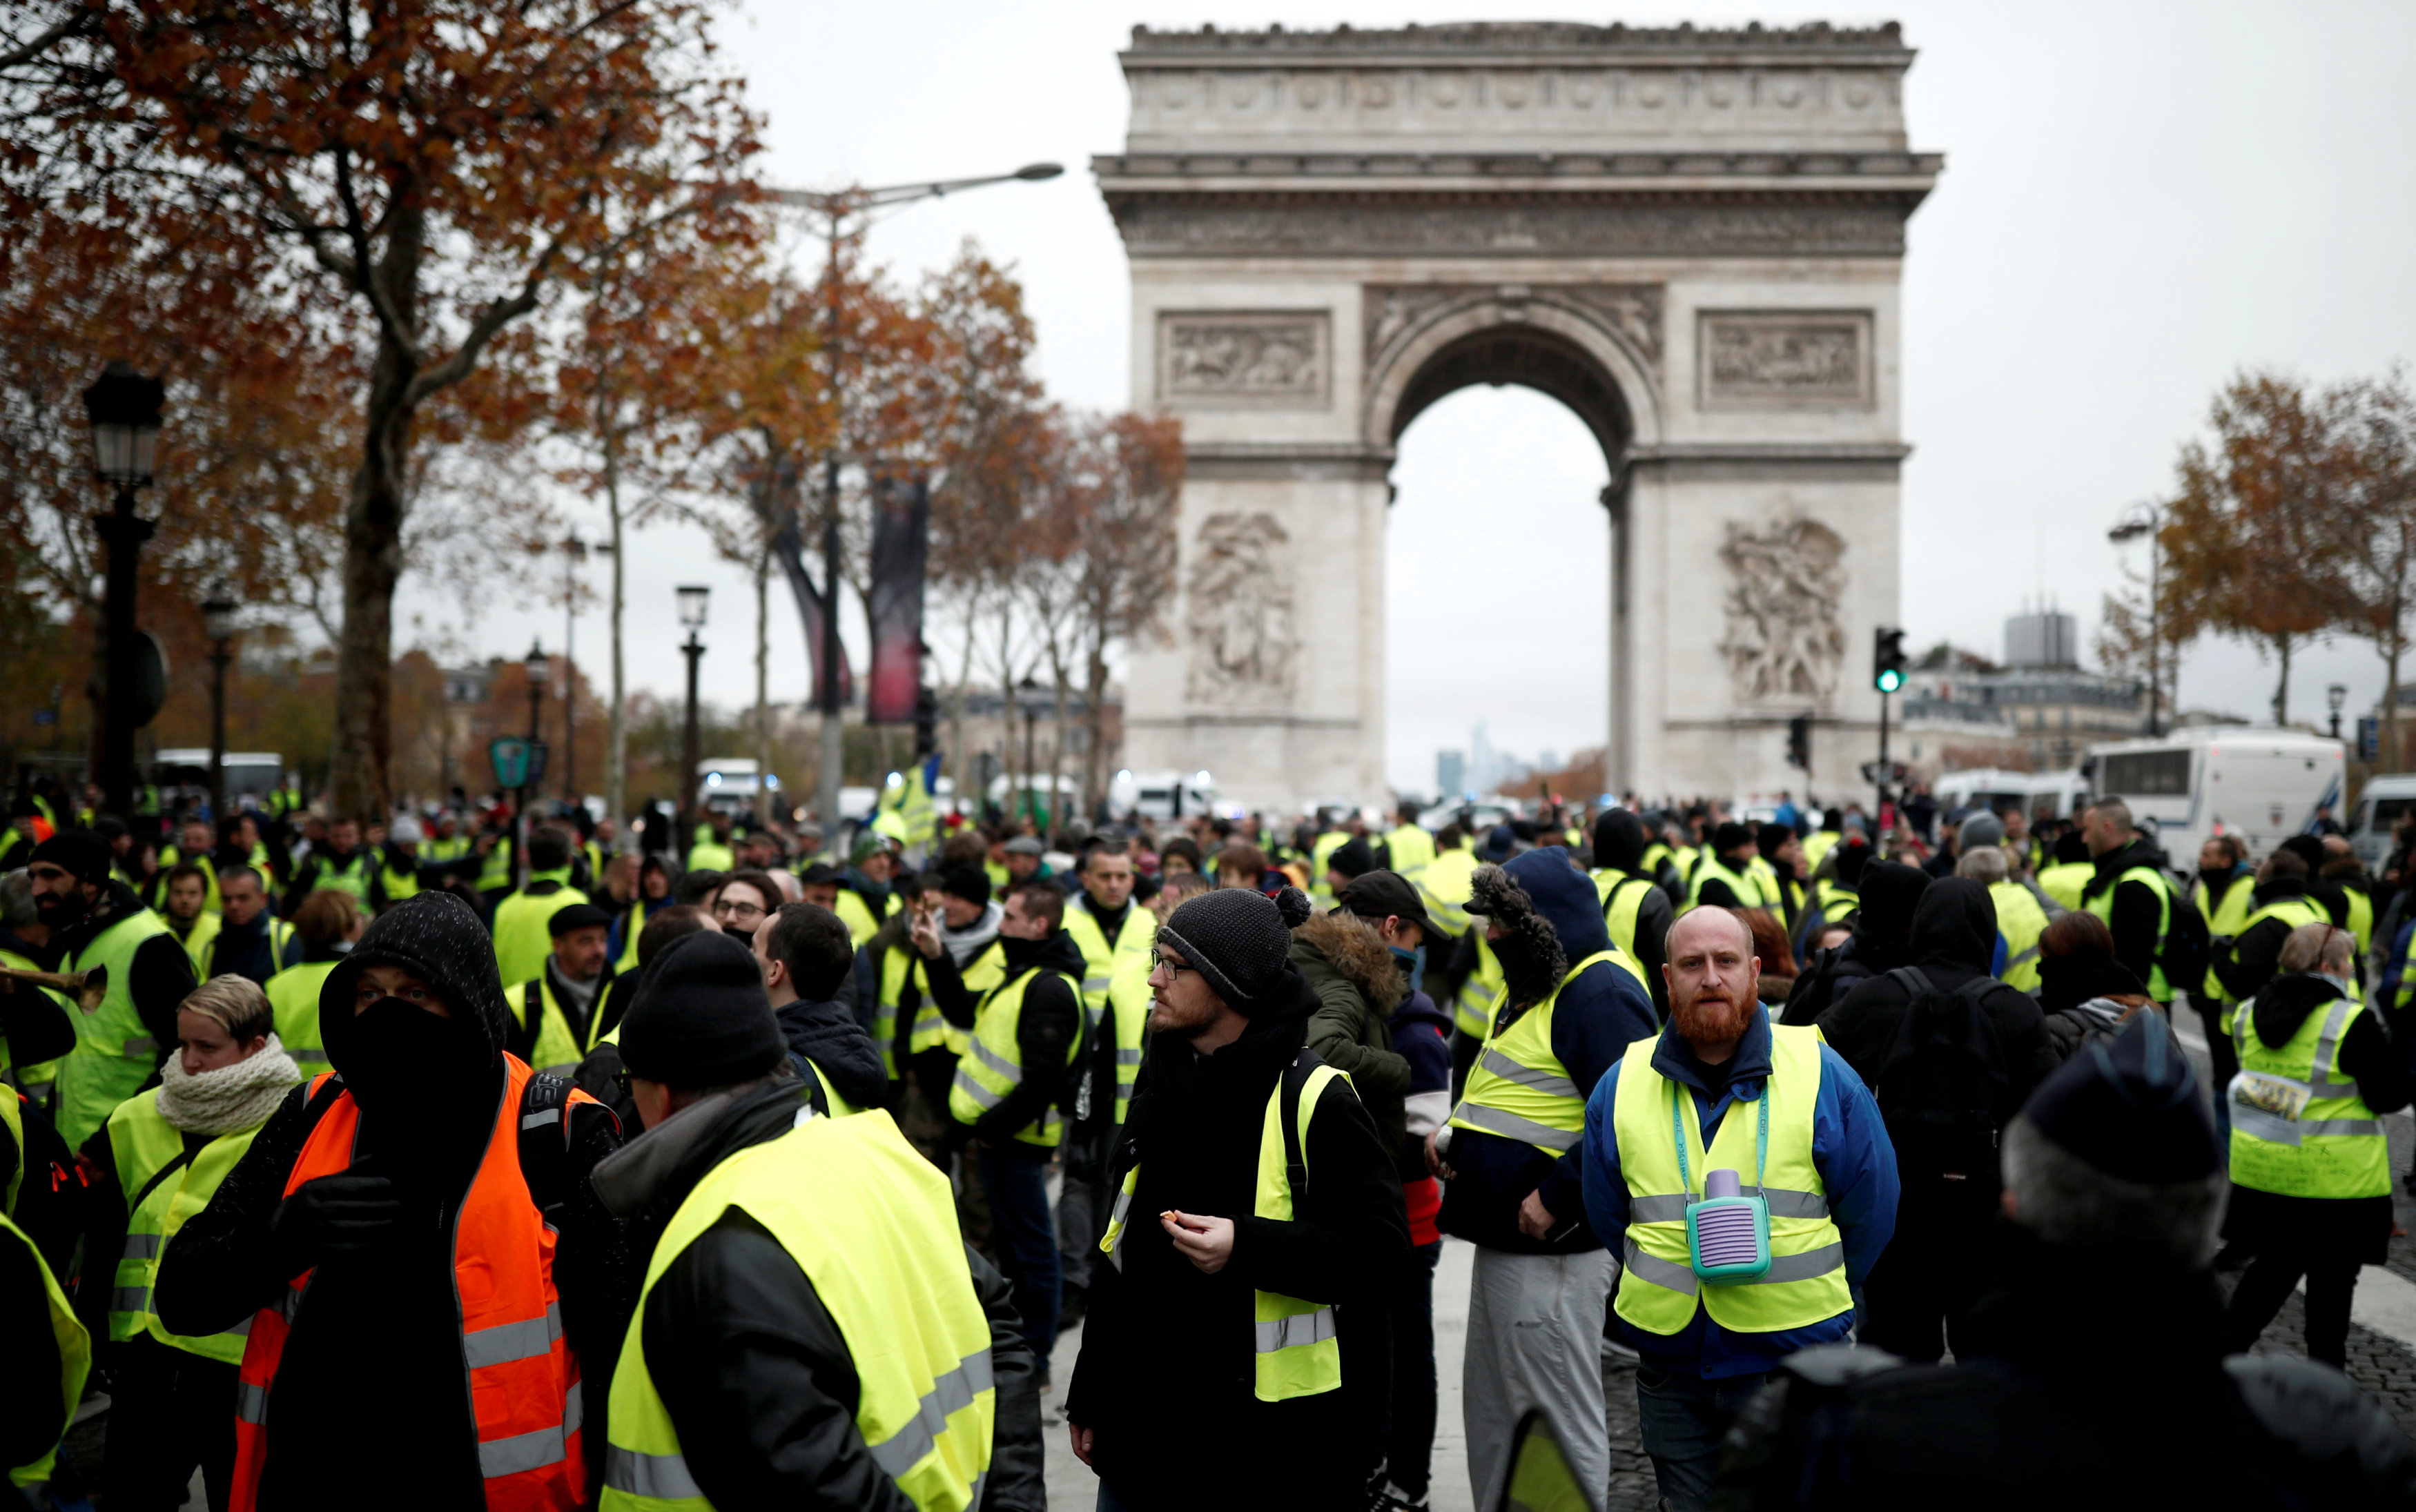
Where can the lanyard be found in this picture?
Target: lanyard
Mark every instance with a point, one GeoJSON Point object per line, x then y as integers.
{"type": "Point", "coordinates": [1678, 1134]}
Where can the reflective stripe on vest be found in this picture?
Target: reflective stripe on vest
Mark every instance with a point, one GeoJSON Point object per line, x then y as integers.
{"type": "Point", "coordinates": [2020, 922]}
{"type": "Point", "coordinates": [2224, 918]}
{"type": "Point", "coordinates": [1658, 1291]}
{"type": "Point", "coordinates": [114, 1053]}
{"type": "Point", "coordinates": [873, 1224]}
{"type": "Point", "coordinates": [142, 1145]}
{"type": "Point", "coordinates": [1294, 1344]}
{"type": "Point", "coordinates": [1445, 885]}
{"type": "Point", "coordinates": [2334, 1147]}
{"type": "Point", "coordinates": [1519, 1088]}
{"type": "Point", "coordinates": [992, 1064]}
{"type": "Point", "coordinates": [524, 1391]}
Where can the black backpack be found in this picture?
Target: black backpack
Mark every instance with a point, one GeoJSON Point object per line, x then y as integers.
{"type": "Point", "coordinates": [2189, 944]}
{"type": "Point", "coordinates": [1942, 1088]}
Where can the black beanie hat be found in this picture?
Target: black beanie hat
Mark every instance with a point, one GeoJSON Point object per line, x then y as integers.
{"type": "Point", "coordinates": [1853, 853]}
{"type": "Point", "coordinates": [1729, 836]}
{"type": "Point", "coordinates": [702, 1018]}
{"type": "Point", "coordinates": [966, 883]}
{"type": "Point", "coordinates": [2131, 1109]}
{"type": "Point", "coordinates": [2307, 848]}
{"type": "Point", "coordinates": [1352, 859]}
{"type": "Point", "coordinates": [1770, 837]}
{"type": "Point", "coordinates": [1239, 938]}
{"type": "Point", "coordinates": [80, 853]}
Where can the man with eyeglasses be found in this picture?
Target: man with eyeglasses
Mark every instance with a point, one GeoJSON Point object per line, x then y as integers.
{"type": "Point", "coordinates": [746, 899]}
{"type": "Point", "coordinates": [97, 920]}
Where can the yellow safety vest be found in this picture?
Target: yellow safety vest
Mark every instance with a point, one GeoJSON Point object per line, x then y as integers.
{"type": "Point", "coordinates": [711, 856]}
{"type": "Point", "coordinates": [113, 1054]}
{"type": "Point", "coordinates": [495, 870]}
{"type": "Point", "coordinates": [1445, 885]}
{"type": "Point", "coordinates": [523, 938]}
{"type": "Point", "coordinates": [1622, 896]}
{"type": "Point", "coordinates": [856, 915]}
{"type": "Point", "coordinates": [149, 1153]}
{"type": "Point", "coordinates": [633, 923]}
{"type": "Point", "coordinates": [2299, 1127]}
{"type": "Point", "coordinates": [294, 1001]}
{"type": "Point", "coordinates": [1747, 885]}
{"type": "Point", "coordinates": [2225, 917]}
{"type": "Point", "coordinates": [1409, 846]}
{"type": "Point", "coordinates": [1817, 845]}
{"type": "Point", "coordinates": [1115, 979]}
{"type": "Point", "coordinates": [75, 1356]}
{"type": "Point", "coordinates": [351, 876]}
{"type": "Point", "coordinates": [33, 1078]}
{"type": "Point", "coordinates": [2293, 911]}
{"type": "Point", "coordinates": [2065, 881]}
{"type": "Point", "coordinates": [1320, 893]}
{"type": "Point", "coordinates": [211, 901]}
{"type": "Point", "coordinates": [556, 1049]}
{"type": "Point", "coordinates": [1662, 1158]}
{"type": "Point", "coordinates": [1519, 1088]}
{"type": "Point", "coordinates": [197, 941]}
{"type": "Point", "coordinates": [2361, 919]}
{"type": "Point", "coordinates": [2020, 922]}
{"type": "Point", "coordinates": [1480, 996]}
{"type": "Point", "coordinates": [2101, 902]}
{"type": "Point", "coordinates": [399, 885]}
{"type": "Point", "coordinates": [992, 1064]}
{"type": "Point", "coordinates": [874, 1226]}
{"type": "Point", "coordinates": [1296, 1350]}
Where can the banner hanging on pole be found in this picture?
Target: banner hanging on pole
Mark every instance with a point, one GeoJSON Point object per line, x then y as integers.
{"type": "Point", "coordinates": [900, 533]}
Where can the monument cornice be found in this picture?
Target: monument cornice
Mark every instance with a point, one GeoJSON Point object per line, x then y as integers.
{"type": "Point", "coordinates": [1556, 171]}
{"type": "Point", "coordinates": [1494, 43]}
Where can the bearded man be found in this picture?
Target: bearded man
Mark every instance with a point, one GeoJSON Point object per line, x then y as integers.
{"type": "Point", "coordinates": [1774, 1113]}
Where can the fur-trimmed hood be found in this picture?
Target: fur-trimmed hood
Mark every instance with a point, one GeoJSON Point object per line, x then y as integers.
{"type": "Point", "coordinates": [1355, 950]}
{"type": "Point", "coordinates": [1494, 894]}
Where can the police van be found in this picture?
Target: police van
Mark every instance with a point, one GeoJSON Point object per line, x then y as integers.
{"type": "Point", "coordinates": [2261, 782]}
{"type": "Point", "coordinates": [2041, 795]}
{"type": "Point", "coordinates": [2380, 805]}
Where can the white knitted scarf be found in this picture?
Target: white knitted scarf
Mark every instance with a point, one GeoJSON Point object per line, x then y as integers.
{"type": "Point", "coordinates": [241, 1096]}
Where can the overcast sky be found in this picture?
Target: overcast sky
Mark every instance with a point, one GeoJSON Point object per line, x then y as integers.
{"type": "Point", "coordinates": [2138, 201]}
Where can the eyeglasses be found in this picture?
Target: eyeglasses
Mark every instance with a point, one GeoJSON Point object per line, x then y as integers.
{"type": "Point", "coordinates": [1174, 969]}
{"type": "Point", "coordinates": [724, 909]}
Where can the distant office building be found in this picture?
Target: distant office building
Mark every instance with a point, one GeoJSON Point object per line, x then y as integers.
{"type": "Point", "coordinates": [2046, 637]}
{"type": "Point", "coordinates": [1451, 770]}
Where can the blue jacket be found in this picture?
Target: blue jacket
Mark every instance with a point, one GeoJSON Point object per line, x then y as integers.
{"type": "Point", "coordinates": [1850, 1147]}
{"type": "Point", "coordinates": [1598, 1014]}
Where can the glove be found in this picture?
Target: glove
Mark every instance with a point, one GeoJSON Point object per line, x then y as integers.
{"type": "Point", "coordinates": [350, 1213]}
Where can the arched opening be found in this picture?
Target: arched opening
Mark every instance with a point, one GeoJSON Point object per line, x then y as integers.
{"type": "Point", "coordinates": [1498, 579]}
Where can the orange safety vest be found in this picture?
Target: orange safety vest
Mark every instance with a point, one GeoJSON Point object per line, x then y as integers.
{"type": "Point", "coordinates": [524, 1380]}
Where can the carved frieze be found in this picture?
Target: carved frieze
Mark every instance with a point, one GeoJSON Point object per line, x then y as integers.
{"type": "Point", "coordinates": [1786, 359]}
{"type": "Point", "coordinates": [1240, 611]}
{"type": "Point", "coordinates": [1786, 580]}
{"type": "Point", "coordinates": [1629, 313]}
{"type": "Point", "coordinates": [1254, 360]}
{"type": "Point", "coordinates": [1254, 226]}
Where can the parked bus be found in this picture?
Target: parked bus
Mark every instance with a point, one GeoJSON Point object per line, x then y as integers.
{"type": "Point", "coordinates": [2262, 784]}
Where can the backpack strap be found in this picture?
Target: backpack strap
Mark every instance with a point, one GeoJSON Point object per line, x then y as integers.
{"type": "Point", "coordinates": [1915, 980]}
{"type": "Point", "coordinates": [1295, 1082]}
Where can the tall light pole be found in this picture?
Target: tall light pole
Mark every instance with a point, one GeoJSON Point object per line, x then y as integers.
{"type": "Point", "coordinates": [574, 551]}
{"type": "Point", "coordinates": [124, 409]}
{"type": "Point", "coordinates": [2336, 695]}
{"type": "Point", "coordinates": [693, 600]}
{"type": "Point", "coordinates": [219, 624]}
{"type": "Point", "coordinates": [536, 670]}
{"type": "Point", "coordinates": [1027, 697]}
{"type": "Point", "coordinates": [2139, 521]}
{"type": "Point", "coordinates": [839, 212]}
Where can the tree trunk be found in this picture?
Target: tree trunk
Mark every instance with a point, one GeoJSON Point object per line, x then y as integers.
{"type": "Point", "coordinates": [2390, 752]}
{"type": "Point", "coordinates": [1094, 696]}
{"type": "Point", "coordinates": [763, 683]}
{"type": "Point", "coordinates": [2282, 688]}
{"type": "Point", "coordinates": [362, 779]}
{"type": "Point", "coordinates": [964, 758]}
{"type": "Point", "coordinates": [616, 756]}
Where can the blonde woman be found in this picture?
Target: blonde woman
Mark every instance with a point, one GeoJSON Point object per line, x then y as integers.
{"type": "Point", "coordinates": [154, 1165]}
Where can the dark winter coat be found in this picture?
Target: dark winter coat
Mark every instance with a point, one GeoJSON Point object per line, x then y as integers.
{"type": "Point", "coordinates": [1619, 843]}
{"type": "Point", "coordinates": [1886, 897]}
{"type": "Point", "coordinates": [1169, 1352]}
{"type": "Point", "coordinates": [373, 1366]}
{"type": "Point", "coordinates": [845, 1056]}
{"type": "Point", "coordinates": [2138, 912]}
{"type": "Point", "coordinates": [245, 951]}
{"type": "Point", "coordinates": [2254, 957]}
{"type": "Point", "coordinates": [1357, 982]}
{"type": "Point", "coordinates": [756, 1375]}
{"type": "Point", "coordinates": [1052, 1019]}
{"type": "Point", "coordinates": [1954, 938]}
{"type": "Point", "coordinates": [2356, 1228]}
{"type": "Point", "coordinates": [1600, 1013]}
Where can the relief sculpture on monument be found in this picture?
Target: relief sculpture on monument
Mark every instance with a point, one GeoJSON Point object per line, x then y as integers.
{"type": "Point", "coordinates": [1240, 611]}
{"type": "Point", "coordinates": [1787, 580]}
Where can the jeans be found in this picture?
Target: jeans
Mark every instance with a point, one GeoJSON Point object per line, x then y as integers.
{"type": "Point", "coordinates": [1015, 1177]}
{"type": "Point", "coordinates": [1683, 1419]}
{"type": "Point", "coordinates": [1409, 1453]}
{"type": "Point", "coordinates": [2267, 1283]}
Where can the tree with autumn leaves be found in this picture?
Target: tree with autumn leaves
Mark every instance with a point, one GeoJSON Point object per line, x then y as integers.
{"type": "Point", "coordinates": [2295, 522]}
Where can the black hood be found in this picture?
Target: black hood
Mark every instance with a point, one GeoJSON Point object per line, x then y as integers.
{"type": "Point", "coordinates": [1954, 925]}
{"type": "Point", "coordinates": [436, 938]}
{"type": "Point", "coordinates": [829, 1035]}
{"type": "Point", "coordinates": [1886, 898]}
{"type": "Point", "coordinates": [2070, 981]}
{"type": "Point", "coordinates": [2284, 1003]}
{"type": "Point", "coordinates": [1619, 841]}
{"type": "Point", "coordinates": [1057, 952]}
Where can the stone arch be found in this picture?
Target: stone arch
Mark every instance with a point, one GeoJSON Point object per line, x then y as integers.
{"type": "Point", "coordinates": [1548, 340]}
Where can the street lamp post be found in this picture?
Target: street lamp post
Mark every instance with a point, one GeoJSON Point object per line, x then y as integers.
{"type": "Point", "coordinates": [2336, 695]}
{"type": "Point", "coordinates": [693, 601]}
{"type": "Point", "coordinates": [2139, 521]}
{"type": "Point", "coordinates": [838, 211]}
{"type": "Point", "coordinates": [219, 624]}
{"type": "Point", "coordinates": [123, 407]}
{"type": "Point", "coordinates": [1025, 692]}
{"type": "Point", "coordinates": [574, 551]}
{"type": "Point", "coordinates": [536, 670]}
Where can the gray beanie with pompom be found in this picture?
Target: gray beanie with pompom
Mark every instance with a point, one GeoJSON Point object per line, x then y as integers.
{"type": "Point", "coordinates": [1239, 939]}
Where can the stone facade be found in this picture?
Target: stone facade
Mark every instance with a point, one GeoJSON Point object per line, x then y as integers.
{"type": "Point", "coordinates": [1691, 238]}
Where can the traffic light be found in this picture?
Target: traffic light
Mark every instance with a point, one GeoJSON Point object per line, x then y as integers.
{"type": "Point", "coordinates": [1887, 661]}
{"type": "Point", "coordinates": [1799, 742]}
{"type": "Point", "coordinates": [927, 723]}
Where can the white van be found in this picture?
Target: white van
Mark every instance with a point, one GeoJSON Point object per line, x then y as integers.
{"type": "Point", "coordinates": [2262, 784]}
{"type": "Point", "coordinates": [2380, 805]}
{"type": "Point", "coordinates": [1161, 795]}
{"type": "Point", "coordinates": [2042, 795]}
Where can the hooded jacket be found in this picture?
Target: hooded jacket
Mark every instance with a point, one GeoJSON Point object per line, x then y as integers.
{"type": "Point", "coordinates": [843, 1054]}
{"type": "Point", "coordinates": [1953, 940]}
{"type": "Point", "coordinates": [1168, 1354]}
{"type": "Point", "coordinates": [374, 1363]}
{"type": "Point", "coordinates": [1052, 1019]}
{"type": "Point", "coordinates": [2138, 913]}
{"type": "Point", "coordinates": [1353, 972]}
{"type": "Point", "coordinates": [1599, 1014]}
{"type": "Point", "coordinates": [1618, 844]}
{"type": "Point", "coordinates": [1887, 894]}
{"type": "Point", "coordinates": [756, 1375]}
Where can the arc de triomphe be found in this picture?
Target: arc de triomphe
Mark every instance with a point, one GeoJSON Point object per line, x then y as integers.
{"type": "Point", "coordinates": [1694, 239]}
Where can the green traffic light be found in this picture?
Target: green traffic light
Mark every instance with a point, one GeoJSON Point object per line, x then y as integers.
{"type": "Point", "coordinates": [1889, 679]}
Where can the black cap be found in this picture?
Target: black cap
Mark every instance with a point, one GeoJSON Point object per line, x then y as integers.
{"type": "Point", "coordinates": [80, 853]}
{"type": "Point", "coordinates": [110, 827]}
{"type": "Point", "coordinates": [1500, 843]}
{"type": "Point", "coordinates": [819, 873]}
{"type": "Point", "coordinates": [1352, 858]}
{"type": "Point", "coordinates": [702, 1018]}
{"type": "Point", "coordinates": [966, 883]}
{"type": "Point", "coordinates": [2130, 1107]}
{"type": "Point", "coordinates": [578, 916]}
{"type": "Point", "coordinates": [2307, 848]}
{"type": "Point", "coordinates": [1729, 836]}
{"type": "Point", "coordinates": [1770, 837]}
{"type": "Point", "coordinates": [1378, 895]}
